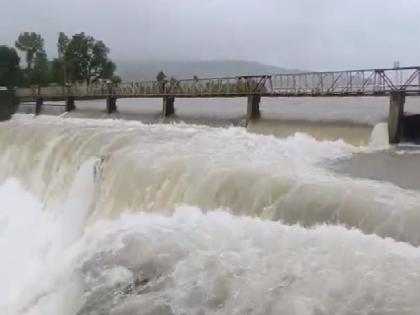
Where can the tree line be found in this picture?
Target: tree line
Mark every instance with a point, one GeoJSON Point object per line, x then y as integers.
{"type": "Point", "coordinates": [80, 59]}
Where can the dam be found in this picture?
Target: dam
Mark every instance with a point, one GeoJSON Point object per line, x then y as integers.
{"type": "Point", "coordinates": [115, 216]}
{"type": "Point", "coordinates": [304, 210]}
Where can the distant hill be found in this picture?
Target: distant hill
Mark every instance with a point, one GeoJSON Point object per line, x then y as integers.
{"type": "Point", "coordinates": [147, 70]}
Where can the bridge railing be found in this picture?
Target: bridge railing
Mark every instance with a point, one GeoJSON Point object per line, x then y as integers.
{"type": "Point", "coordinates": [358, 82]}
{"type": "Point", "coordinates": [93, 90]}
{"type": "Point", "coordinates": [339, 83]}
{"type": "Point", "coordinates": [138, 88]}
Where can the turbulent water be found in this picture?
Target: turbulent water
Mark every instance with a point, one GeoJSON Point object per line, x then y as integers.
{"type": "Point", "coordinates": [123, 218]}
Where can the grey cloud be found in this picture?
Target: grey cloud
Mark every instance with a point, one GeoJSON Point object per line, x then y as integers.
{"type": "Point", "coordinates": [305, 34]}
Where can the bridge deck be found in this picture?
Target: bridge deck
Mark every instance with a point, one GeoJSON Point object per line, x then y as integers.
{"type": "Point", "coordinates": [372, 82]}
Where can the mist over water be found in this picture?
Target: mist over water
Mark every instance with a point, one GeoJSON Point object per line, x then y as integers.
{"type": "Point", "coordinates": [117, 217]}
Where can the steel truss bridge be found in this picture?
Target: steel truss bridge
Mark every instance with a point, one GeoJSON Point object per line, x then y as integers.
{"type": "Point", "coordinates": [370, 82]}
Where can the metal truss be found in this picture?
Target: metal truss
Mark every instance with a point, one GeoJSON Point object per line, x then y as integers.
{"type": "Point", "coordinates": [373, 82]}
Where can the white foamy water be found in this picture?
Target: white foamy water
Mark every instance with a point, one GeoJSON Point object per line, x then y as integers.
{"type": "Point", "coordinates": [111, 217]}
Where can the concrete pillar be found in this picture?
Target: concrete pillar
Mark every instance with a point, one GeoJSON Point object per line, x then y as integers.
{"type": "Point", "coordinates": [70, 104]}
{"type": "Point", "coordinates": [111, 100]}
{"type": "Point", "coordinates": [8, 104]}
{"type": "Point", "coordinates": [168, 108]}
{"type": "Point", "coordinates": [396, 116]}
{"type": "Point", "coordinates": [111, 104]}
{"type": "Point", "coordinates": [38, 105]}
{"type": "Point", "coordinates": [253, 107]}
{"type": "Point", "coordinates": [70, 98]}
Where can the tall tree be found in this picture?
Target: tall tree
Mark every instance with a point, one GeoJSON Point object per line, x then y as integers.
{"type": "Point", "coordinates": [31, 44]}
{"type": "Point", "coordinates": [62, 44]}
{"type": "Point", "coordinates": [9, 66]}
{"type": "Point", "coordinates": [59, 68]}
{"type": "Point", "coordinates": [87, 60]}
{"type": "Point", "coordinates": [161, 76]}
{"type": "Point", "coordinates": [161, 79]}
{"type": "Point", "coordinates": [57, 71]}
{"type": "Point", "coordinates": [41, 73]}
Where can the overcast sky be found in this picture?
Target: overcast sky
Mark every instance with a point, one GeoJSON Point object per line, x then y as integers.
{"type": "Point", "coordinates": [302, 34]}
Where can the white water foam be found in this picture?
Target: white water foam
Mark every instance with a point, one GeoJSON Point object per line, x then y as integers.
{"type": "Point", "coordinates": [87, 243]}
{"type": "Point", "coordinates": [379, 138]}
{"type": "Point", "coordinates": [156, 167]}
{"type": "Point", "coordinates": [35, 244]}
{"type": "Point", "coordinates": [196, 263]}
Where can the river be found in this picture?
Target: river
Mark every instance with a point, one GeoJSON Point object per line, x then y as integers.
{"type": "Point", "coordinates": [308, 211]}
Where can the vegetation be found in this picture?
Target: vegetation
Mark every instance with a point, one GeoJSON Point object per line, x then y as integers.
{"type": "Point", "coordinates": [161, 79]}
{"type": "Point", "coordinates": [161, 76]}
{"type": "Point", "coordinates": [32, 44]}
{"type": "Point", "coordinates": [86, 60]}
{"type": "Point", "coordinates": [10, 72]}
{"type": "Point", "coordinates": [80, 59]}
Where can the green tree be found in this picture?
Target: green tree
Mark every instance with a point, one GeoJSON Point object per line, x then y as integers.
{"type": "Point", "coordinates": [161, 79]}
{"type": "Point", "coordinates": [62, 44]}
{"type": "Point", "coordinates": [161, 76]}
{"type": "Point", "coordinates": [9, 66]}
{"type": "Point", "coordinates": [59, 70]}
{"type": "Point", "coordinates": [31, 44]}
{"type": "Point", "coordinates": [116, 79]}
{"type": "Point", "coordinates": [41, 73]}
{"type": "Point", "coordinates": [87, 60]}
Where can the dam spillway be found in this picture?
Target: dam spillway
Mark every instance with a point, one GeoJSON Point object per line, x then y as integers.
{"type": "Point", "coordinates": [121, 216]}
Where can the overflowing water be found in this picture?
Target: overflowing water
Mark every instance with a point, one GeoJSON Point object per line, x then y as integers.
{"type": "Point", "coordinates": [120, 218]}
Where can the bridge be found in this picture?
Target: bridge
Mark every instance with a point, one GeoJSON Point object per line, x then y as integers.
{"type": "Point", "coordinates": [397, 83]}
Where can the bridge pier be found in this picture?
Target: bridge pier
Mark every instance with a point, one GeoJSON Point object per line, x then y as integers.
{"type": "Point", "coordinates": [70, 104]}
{"type": "Point", "coordinates": [168, 107]}
{"type": "Point", "coordinates": [111, 104]}
{"type": "Point", "coordinates": [38, 105]}
{"type": "Point", "coordinates": [396, 117]}
{"type": "Point", "coordinates": [253, 107]}
{"type": "Point", "coordinates": [8, 104]}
